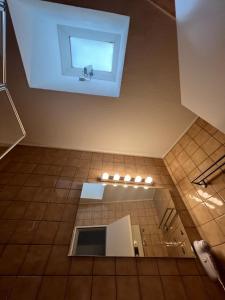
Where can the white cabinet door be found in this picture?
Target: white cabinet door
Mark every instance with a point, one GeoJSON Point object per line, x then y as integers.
{"type": "Point", "coordinates": [119, 240]}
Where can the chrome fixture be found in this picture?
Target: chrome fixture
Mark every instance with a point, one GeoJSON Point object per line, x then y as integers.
{"type": "Point", "coordinates": [216, 166]}
{"type": "Point", "coordinates": [87, 74]}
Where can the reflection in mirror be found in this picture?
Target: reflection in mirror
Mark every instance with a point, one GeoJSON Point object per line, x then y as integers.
{"type": "Point", "coordinates": [128, 221]}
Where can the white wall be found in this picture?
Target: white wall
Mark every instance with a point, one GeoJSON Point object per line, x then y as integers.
{"type": "Point", "coordinates": [201, 43]}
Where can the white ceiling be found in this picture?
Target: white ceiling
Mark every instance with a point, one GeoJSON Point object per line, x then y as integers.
{"type": "Point", "coordinates": [147, 118]}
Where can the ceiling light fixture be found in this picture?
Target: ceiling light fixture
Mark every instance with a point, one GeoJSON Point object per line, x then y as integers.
{"type": "Point", "coordinates": [116, 177]}
{"type": "Point", "coordinates": [127, 178]}
{"type": "Point", "coordinates": [138, 179]}
{"type": "Point", "coordinates": [105, 176]}
{"type": "Point", "coordinates": [148, 180]}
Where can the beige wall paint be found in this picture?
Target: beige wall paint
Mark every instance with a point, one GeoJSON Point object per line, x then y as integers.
{"type": "Point", "coordinates": [143, 121]}
{"type": "Point", "coordinates": [202, 145]}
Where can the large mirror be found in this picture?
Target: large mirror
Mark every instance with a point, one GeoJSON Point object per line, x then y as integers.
{"type": "Point", "coordinates": [128, 221]}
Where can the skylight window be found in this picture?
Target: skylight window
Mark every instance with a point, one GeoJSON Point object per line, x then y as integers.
{"type": "Point", "coordinates": [86, 52]}
{"type": "Point", "coordinates": [91, 52]}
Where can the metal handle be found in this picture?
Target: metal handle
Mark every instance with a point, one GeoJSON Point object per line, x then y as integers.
{"type": "Point", "coordinates": [168, 209]}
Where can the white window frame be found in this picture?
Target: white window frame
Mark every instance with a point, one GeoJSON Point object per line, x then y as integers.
{"type": "Point", "coordinates": [66, 32]}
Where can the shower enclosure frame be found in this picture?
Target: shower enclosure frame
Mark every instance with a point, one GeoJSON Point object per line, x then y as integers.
{"type": "Point", "coordinates": [3, 85]}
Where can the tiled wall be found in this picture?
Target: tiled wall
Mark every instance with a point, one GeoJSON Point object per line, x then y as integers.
{"type": "Point", "coordinates": [196, 150]}
{"type": "Point", "coordinates": [141, 212]}
{"type": "Point", "coordinates": [39, 192]}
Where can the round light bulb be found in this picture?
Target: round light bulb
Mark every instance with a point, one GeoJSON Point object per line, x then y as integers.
{"type": "Point", "coordinates": [135, 186]}
{"type": "Point", "coordinates": [138, 179]}
{"type": "Point", "coordinates": [116, 177]}
{"type": "Point", "coordinates": [127, 178]}
{"type": "Point", "coordinates": [148, 180]}
{"type": "Point", "coordinates": [105, 176]}
{"type": "Point", "coordinates": [125, 186]}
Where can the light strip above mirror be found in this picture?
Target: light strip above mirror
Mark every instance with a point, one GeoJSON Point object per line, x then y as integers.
{"type": "Point", "coordinates": [116, 178]}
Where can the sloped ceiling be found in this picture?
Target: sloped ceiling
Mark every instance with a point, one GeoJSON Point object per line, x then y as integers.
{"type": "Point", "coordinates": [146, 119]}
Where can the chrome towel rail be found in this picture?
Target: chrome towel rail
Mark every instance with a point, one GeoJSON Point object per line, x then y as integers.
{"type": "Point", "coordinates": [203, 178]}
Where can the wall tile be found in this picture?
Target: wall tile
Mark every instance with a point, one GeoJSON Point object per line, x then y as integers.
{"type": "Point", "coordinates": [173, 288]}
{"type": "Point", "coordinates": [54, 212]}
{"type": "Point", "coordinates": [59, 262]}
{"type": "Point", "coordinates": [151, 288]}
{"type": "Point", "coordinates": [36, 260]}
{"type": "Point", "coordinates": [12, 259]}
{"type": "Point", "coordinates": [194, 287]}
{"type": "Point", "coordinates": [212, 233]}
{"type": "Point", "coordinates": [64, 233]}
{"type": "Point", "coordinates": [35, 211]}
{"type": "Point", "coordinates": [103, 287]}
{"type": "Point", "coordinates": [127, 288]}
{"type": "Point", "coordinates": [81, 266]}
{"type": "Point", "coordinates": [126, 266]}
{"type": "Point", "coordinates": [187, 266]}
{"type": "Point", "coordinates": [204, 146]}
{"type": "Point", "coordinates": [46, 232]}
{"type": "Point", "coordinates": [104, 266]}
{"type": "Point", "coordinates": [213, 290]}
{"type": "Point", "coordinates": [25, 288]}
{"type": "Point", "coordinates": [24, 233]}
{"type": "Point", "coordinates": [79, 287]}
{"type": "Point", "coordinates": [7, 228]}
{"type": "Point", "coordinates": [147, 266]}
{"type": "Point", "coordinates": [38, 201]}
{"type": "Point", "coordinates": [6, 285]}
{"type": "Point", "coordinates": [167, 266]}
{"type": "Point", "coordinates": [52, 287]}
